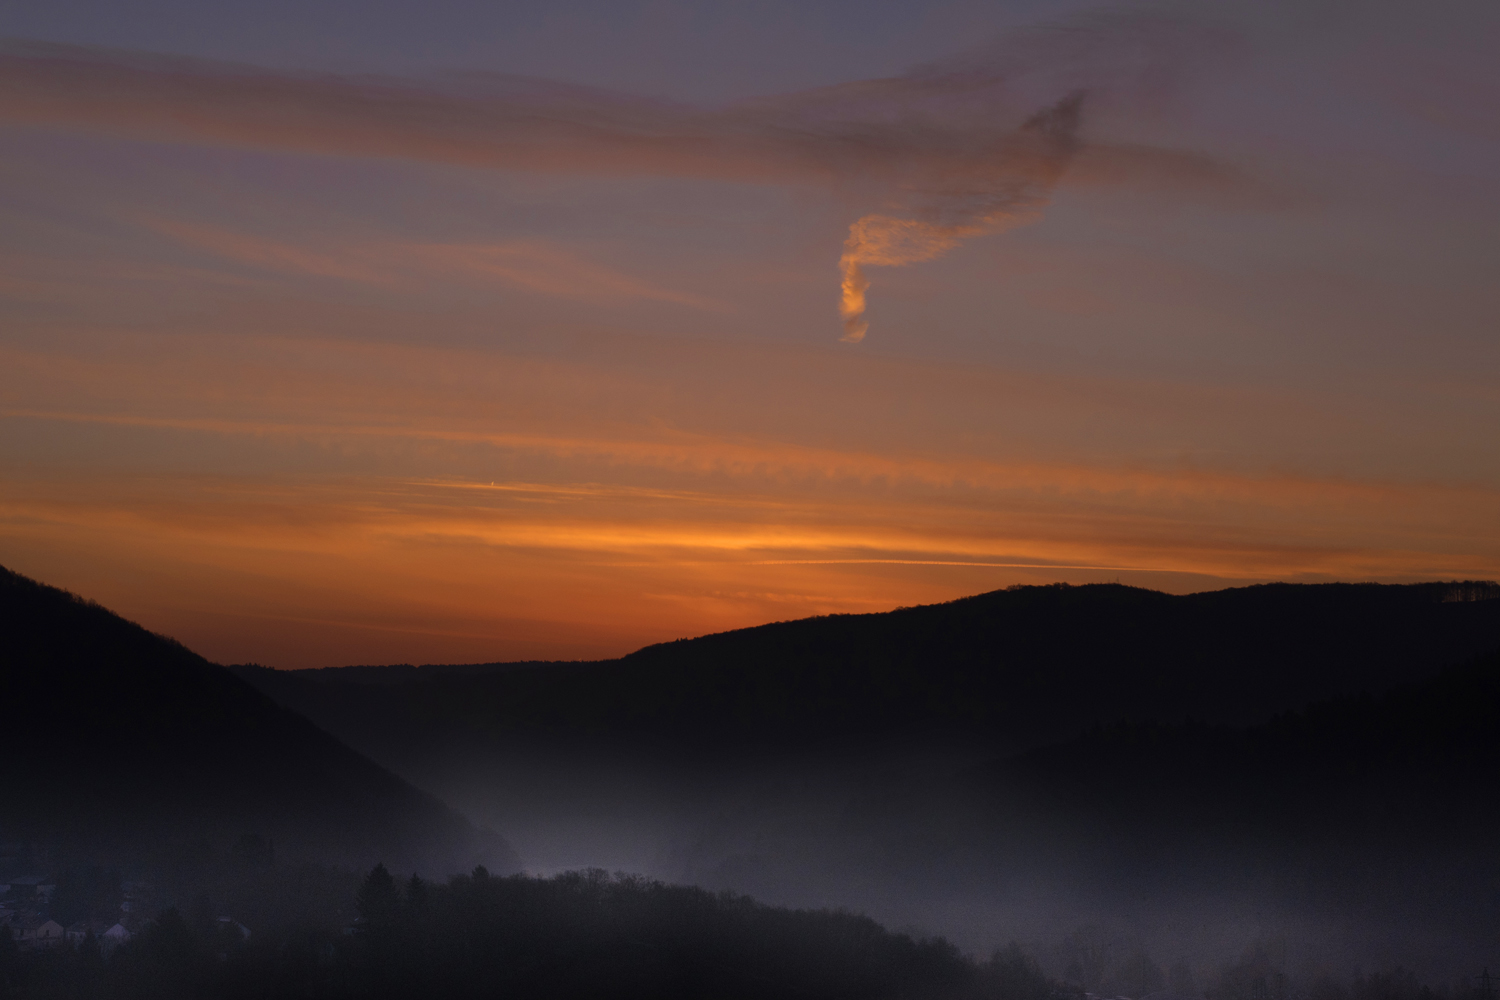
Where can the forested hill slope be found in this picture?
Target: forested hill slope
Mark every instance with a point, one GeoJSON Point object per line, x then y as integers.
{"type": "Point", "coordinates": [1010, 669]}
{"type": "Point", "coordinates": [1413, 767]}
{"type": "Point", "coordinates": [118, 740]}
{"type": "Point", "coordinates": [1381, 807]}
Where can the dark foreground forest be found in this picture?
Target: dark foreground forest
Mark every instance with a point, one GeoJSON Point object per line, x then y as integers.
{"type": "Point", "coordinates": [576, 935]}
{"type": "Point", "coordinates": [593, 935]}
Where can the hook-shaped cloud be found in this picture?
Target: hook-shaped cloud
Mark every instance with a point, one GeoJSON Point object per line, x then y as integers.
{"type": "Point", "coordinates": [1018, 183]}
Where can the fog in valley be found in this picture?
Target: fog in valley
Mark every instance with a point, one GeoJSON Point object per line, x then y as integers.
{"type": "Point", "coordinates": [909, 840]}
{"type": "Point", "coordinates": [1032, 793]}
{"type": "Point", "coordinates": [1297, 816]}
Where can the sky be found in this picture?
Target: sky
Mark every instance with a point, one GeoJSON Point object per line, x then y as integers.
{"type": "Point", "coordinates": [378, 332]}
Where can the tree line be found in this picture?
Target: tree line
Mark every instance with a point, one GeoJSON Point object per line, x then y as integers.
{"type": "Point", "coordinates": [580, 934]}
{"type": "Point", "coordinates": [594, 935]}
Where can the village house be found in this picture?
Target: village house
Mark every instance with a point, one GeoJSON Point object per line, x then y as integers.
{"type": "Point", "coordinates": [79, 932]}
{"type": "Point", "coordinates": [29, 887]}
{"type": "Point", "coordinates": [43, 934]}
{"type": "Point", "coordinates": [113, 938]}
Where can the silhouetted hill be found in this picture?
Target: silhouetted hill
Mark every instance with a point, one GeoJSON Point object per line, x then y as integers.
{"type": "Point", "coordinates": [1415, 766]}
{"type": "Point", "coordinates": [120, 740]}
{"type": "Point", "coordinates": [1375, 815]}
{"type": "Point", "coordinates": [1009, 669]}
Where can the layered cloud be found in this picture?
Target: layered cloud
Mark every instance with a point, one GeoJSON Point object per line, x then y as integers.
{"type": "Point", "coordinates": [535, 265]}
{"type": "Point", "coordinates": [940, 155]}
{"type": "Point", "coordinates": [933, 124]}
{"type": "Point", "coordinates": [479, 504]}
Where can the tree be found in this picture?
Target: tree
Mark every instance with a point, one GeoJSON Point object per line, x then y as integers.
{"type": "Point", "coordinates": [1011, 974]}
{"type": "Point", "coordinates": [378, 901]}
{"type": "Point", "coordinates": [8, 956]}
{"type": "Point", "coordinates": [89, 891]}
{"type": "Point", "coordinates": [416, 898]}
{"type": "Point", "coordinates": [164, 961]}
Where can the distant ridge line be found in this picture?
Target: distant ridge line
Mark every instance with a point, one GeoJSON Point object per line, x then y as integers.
{"type": "Point", "coordinates": [1437, 592]}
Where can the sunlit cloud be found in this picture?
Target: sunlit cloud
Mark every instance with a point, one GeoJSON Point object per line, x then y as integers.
{"type": "Point", "coordinates": [444, 558]}
{"type": "Point", "coordinates": [310, 502]}
{"type": "Point", "coordinates": [1087, 517]}
{"type": "Point", "coordinates": [1016, 185]}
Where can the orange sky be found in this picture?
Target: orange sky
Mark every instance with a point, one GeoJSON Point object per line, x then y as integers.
{"type": "Point", "coordinates": [313, 406]}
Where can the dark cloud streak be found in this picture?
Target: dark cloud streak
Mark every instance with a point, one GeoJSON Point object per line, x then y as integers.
{"type": "Point", "coordinates": [940, 155]}
{"type": "Point", "coordinates": [907, 130]}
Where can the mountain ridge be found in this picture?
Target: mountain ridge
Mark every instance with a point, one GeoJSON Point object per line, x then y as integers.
{"type": "Point", "coordinates": [130, 738]}
{"type": "Point", "coordinates": [1019, 667]}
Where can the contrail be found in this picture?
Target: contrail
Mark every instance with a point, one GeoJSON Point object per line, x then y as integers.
{"type": "Point", "coordinates": [1013, 188]}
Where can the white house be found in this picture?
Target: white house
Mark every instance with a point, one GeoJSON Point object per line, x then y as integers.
{"type": "Point", "coordinates": [37, 886]}
{"type": "Point", "coordinates": [113, 938]}
{"type": "Point", "coordinates": [43, 935]}
{"type": "Point", "coordinates": [79, 932]}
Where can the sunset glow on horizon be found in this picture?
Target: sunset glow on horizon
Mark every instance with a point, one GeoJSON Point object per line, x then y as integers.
{"type": "Point", "coordinates": [393, 364]}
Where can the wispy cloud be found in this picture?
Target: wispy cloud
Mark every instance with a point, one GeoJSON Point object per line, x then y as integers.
{"type": "Point", "coordinates": [950, 507]}
{"type": "Point", "coordinates": [429, 558]}
{"type": "Point", "coordinates": [534, 265]}
{"type": "Point", "coordinates": [1016, 187]}
{"type": "Point", "coordinates": [541, 268]}
{"type": "Point", "coordinates": [420, 489]}
{"type": "Point", "coordinates": [942, 154]}
{"type": "Point", "coordinates": [925, 125]}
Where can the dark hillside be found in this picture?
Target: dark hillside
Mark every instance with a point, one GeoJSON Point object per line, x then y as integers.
{"type": "Point", "coordinates": [1375, 811]}
{"type": "Point", "coordinates": [118, 739]}
{"type": "Point", "coordinates": [1009, 669]}
{"type": "Point", "coordinates": [1412, 771]}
